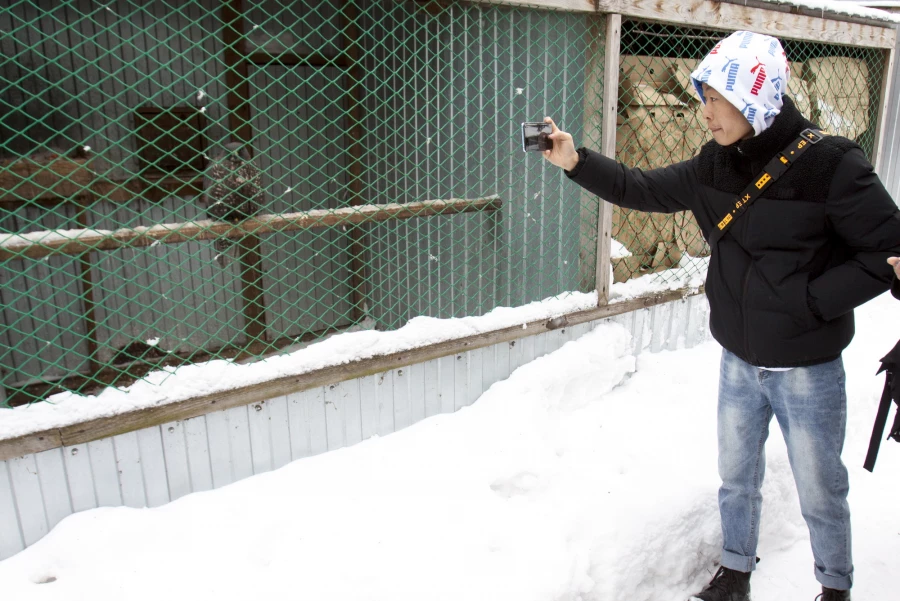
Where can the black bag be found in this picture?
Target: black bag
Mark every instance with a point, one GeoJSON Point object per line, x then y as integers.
{"type": "Point", "coordinates": [890, 364]}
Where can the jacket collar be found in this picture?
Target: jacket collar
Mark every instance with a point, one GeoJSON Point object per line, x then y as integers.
{"type": "Point", "coordinates": [784, 129]}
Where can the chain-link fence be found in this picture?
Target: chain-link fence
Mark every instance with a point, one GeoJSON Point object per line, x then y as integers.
{"type": "Point", "coordinates": [207, 179]}
{"type": "Point", "coordinates": [660, 122]}
{"type": "Point", "coordinates": [181, 181]}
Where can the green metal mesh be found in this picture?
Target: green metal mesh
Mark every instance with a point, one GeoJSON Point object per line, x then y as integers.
{"type": "Point", "coordinates": [122, 123]}
{"type": "Point", "coordinates": [365, 158]}
{"type": "Point", "coordinates": [660, 122]}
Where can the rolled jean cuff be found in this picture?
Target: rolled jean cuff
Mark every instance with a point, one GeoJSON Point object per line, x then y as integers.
{"type": "Point", "coordinates": [741, 563]}
{"type": "Point", "coordinates": [841, 583]}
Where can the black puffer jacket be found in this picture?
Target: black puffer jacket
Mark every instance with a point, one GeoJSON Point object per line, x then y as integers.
{"type": "Point", "coordinates": [785, 278]}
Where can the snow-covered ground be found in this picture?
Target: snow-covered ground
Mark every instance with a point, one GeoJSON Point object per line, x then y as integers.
{"type": "Point", "coordinates": [589, 474]}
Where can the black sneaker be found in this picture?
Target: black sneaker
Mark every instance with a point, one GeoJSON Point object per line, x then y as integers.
{"type": "Point", "coordinates": [833, 594]}
{"type": "Point", "coordinates": [726, 585]}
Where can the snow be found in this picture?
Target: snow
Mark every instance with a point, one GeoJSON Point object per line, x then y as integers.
{"type": "Point", "coordinates": [840, 7]}
{"type": "Point", "coordinates": [170, 385]}
{"type": "Point", "coordinates": [588, 475]}
{"type": "Point", "coordinates": [50, 236]}
{"type": "Point", "coordinates": [618, 250]}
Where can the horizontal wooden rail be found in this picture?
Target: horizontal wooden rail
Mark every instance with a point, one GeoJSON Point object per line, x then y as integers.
{"type": "Point", "coordinates": [72, 242]}
{"type": "Point", "coordinates": [147, 417]}
{"type": "Point", "coordinates": [777, 19]}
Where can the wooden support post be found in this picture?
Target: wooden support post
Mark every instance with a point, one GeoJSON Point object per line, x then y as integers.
{"type": "Point", "coordinates": [237, 80]}
{"type": "Point", "coordinates": [591, 137]}
{"type": "Point", "coordinates": [357, 248]}
{"type": "Point", "coordinates": [608, 148]}
{"type": "Point", "coordinates": [884, 104]}
{"type": "Point", "coordinates": [87, 287]}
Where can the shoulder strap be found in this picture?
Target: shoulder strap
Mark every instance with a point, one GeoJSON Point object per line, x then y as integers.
{"type": "Point", "coordinates": [773, 170]}
{"type": "Point", "coordinates": [881, 417]}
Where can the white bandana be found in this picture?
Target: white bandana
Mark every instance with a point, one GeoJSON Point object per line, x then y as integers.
{"type": "Point", "coordinates": [749, 70]}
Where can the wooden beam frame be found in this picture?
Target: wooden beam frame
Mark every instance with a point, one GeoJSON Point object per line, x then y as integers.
{"type": "Point", "coordinates": [780, 20]}
{"type": "Point", "coordinates": [608, 148]}
{"type": "Point", "coordinates": [237, 80]}
{"type": "Point", "coordinates": [147, 417]}
{"type": "Point", "coordinates": [358, 247]}
{"type": "Point", "coordinates": [590, 247]}
{"type": "Point", "coordinates": [887, 86]}
{"type": "Point", "coordinates": [14, 246]}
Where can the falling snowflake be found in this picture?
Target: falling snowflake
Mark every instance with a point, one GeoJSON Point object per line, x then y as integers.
{"type": "Point", "coordinates": [86, 148]}
{"type": "Point", "coordinates": [153, 341]}
{"type": "Point", "coordinates": [201, 95]}
{"type": "Point", "coordinates": [519, 91]}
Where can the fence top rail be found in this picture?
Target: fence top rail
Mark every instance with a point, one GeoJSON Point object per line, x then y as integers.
{"type": "Point", "coordinates": [44, 243]}
{"type": "Point", "coordinates": [830, 23]}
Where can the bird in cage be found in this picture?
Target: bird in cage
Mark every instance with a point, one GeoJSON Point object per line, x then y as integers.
{"type": "Point", "coordinates": [233, 192]}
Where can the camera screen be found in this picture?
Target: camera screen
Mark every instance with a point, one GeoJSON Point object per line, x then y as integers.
{"type": "Point", "coordinates": [534, 137]}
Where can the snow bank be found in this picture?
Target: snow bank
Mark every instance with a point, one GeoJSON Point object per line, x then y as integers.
{"type": "Point", "coordinates": [587, 475]}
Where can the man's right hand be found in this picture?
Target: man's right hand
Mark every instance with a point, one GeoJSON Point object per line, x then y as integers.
{"type": "Point", "coordinates": [563, 153]}
{"type": "Point", "coordinates": [895, 263]}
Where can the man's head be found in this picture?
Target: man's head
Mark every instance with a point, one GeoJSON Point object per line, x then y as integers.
{"type": "Point", "coordinates": [727, 124]}
{"type": "Point", "coordinates": [749, 72]}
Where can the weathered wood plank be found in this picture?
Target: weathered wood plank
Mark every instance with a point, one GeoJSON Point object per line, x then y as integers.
{"type": "Point", "coordinates": [761, 17]}
{"type": "Point", "coordinates": [592, 128]}
{"type": "Point", "coordinates": [581, 6]}
{"type": "Point", "coordinates": [42, 244]}
{"type": "Point", "coordinates": [887, 85]}
{"type": "Point", "coordinates": [765, 17]}
{"type": "Point", "coordinates": [608, 127]}
{"type": "Point", "coordinates": [241, 397]}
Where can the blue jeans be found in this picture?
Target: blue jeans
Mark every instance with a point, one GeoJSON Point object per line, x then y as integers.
{"type": "Point", "coordinates": [810, 404]}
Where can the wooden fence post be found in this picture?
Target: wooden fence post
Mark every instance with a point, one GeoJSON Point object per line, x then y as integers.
{"type": "Point", "coordinates": [608, 148]}
{"type": "Point", "coordinates": [882, 153]}
{"type": "Point", "coordinates": [237, 79]}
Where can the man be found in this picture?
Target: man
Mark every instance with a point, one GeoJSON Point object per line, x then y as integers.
{"type": "Point", "coordinates": [782, 284]}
